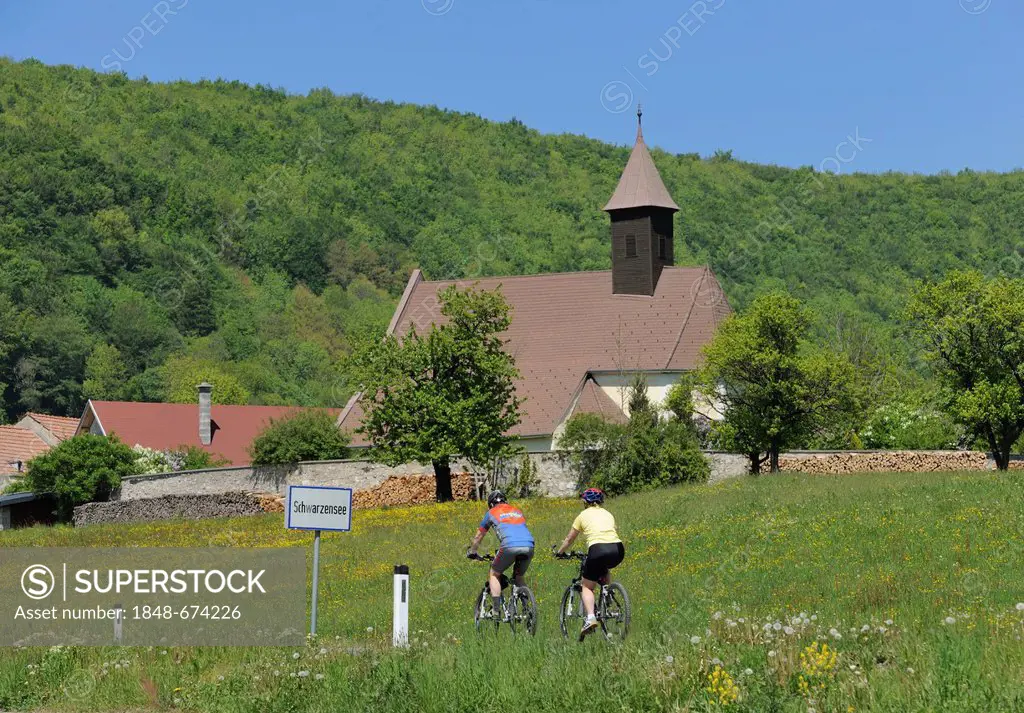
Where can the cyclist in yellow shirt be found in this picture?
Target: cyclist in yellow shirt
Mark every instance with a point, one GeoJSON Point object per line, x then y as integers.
{"type": "Point", "coordinates": [604, 549]}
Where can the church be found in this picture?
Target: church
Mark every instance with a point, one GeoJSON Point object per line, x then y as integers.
{"type": "Point", "coordinates": [579, 338]}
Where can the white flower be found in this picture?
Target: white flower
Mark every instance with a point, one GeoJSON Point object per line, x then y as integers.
{"type": "Point", "coordinates": [323, 651]}
{"type": "Point", "coordinates": [319, 677]}
{"type": "Point", "coordinates": [277, 673]}
{"type": "Point", "coordinates": [910, 670]}
{"type": "Point", "coordinates": [865, 629]}
{"type": "Point", "coordinates": [834, 633]}
{"type": "Point", "coordinates": [220, 678]}
{"type": "Point", "coordinates": [748, 671]}
{"type": "Point", "coordinates": [743, 620]}
{"type": "Point", "coordinates": [814, 617]}
{"type": "Point", "coordinates": [369, 630]}
{"type": "Point", "coordinates": [292, 674]}
{"type": "Point", "coordinates": [882, 630]}
{"type": "Point", "coordinates": [670, 659]}
{"type": "Point", "coordinates": [789, 631]}
{"type": "Point", "coordinates": [777, 626]}
{"type": "Point", "coordinates": [1020, 606]}
{"type": "Point", "coordinates": [694, 640]}
{"type": "Point", "coordinates": [888, 622]}
{"type": "Point", "coordinates": [771, 654]}
{"type": "Point", "coordinates": [949, 620]}
{"type": "Point", "coordinates": [717, 615]}
{"type": "Point", "coordinates": [730, 623]}
{"type": "Point", "coordinates": [716, 661]}
{"type": "Point", "coordinates": [303, 674]}
{"type": "Point", "coordinates": [295, 655]}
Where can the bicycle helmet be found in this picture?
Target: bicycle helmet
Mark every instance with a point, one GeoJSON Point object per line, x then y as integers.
{"type": "Point", "coordinates": [496, 497]}
{"type": "Point", "coordinates": [593, 495]}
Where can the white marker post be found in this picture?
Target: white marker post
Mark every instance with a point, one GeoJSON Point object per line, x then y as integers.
{"type": "Point", "coordinates": [400, 618]}
{"type": "Point", "coordinates": [318, 508]}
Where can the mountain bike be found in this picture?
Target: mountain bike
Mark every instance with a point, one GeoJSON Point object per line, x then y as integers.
{"type": "Point", "coordinates": [518, 610]}
{"type": "Point", "coordinates": [611, 605]}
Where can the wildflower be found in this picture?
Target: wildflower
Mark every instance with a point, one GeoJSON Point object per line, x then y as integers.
{"type": "Point", "coordinates": [220, 678]}
{"type": "Point", "coordinates": [295, 655]}
{"type": "Point", "coordinates": [834, 633]}
{"type": "Point", "coordinates": [814, 617]}
{"type": "Point", "coordinates": [910, 671]}
{"type": "Point", "coordinates": [303, 674]}
{"type": "Point", "coordinates": [888, 622]}
{"type": "Point", "coordinates": [743, 620]}
{"type": "Point", "coordinates": [777, 626]}
{"type": "Point", "coordinates": [670, 659]}
{"type": "Point", "coordinates": [748, 672]}
{"type": "Point", "coordinates": [949, 620]}
{"type": "Point", "coordinates": [865, 629]}
{"type": "Point", "coordinates": [1020, 606]}
{"type": "Point", "coordinates": [323, 651]}
{"type": "Point", "coordinates": [789, 631]}
{"type": "Point", "coordinates": [694, 640]}
{"type": "Point", "coordinates": [716, 661]}
{"type": "Point", "coordinates": [717, 615]}
{"type": "Point", "coordinates": [721, 689]}
{"type": "Point", "coordinates": [369, 630]}
{"type": "Point", "coordinates": [771, 654]}
{"type": "Point", "coordinates": [319, 677]}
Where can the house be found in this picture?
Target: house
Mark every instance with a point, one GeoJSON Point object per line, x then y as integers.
{"type": "Point", "coordinates": [223, 431]}
{"type": "Point", "coordinates": [580, 338]}
{"type": "Point", "coordinates": [33, 435]}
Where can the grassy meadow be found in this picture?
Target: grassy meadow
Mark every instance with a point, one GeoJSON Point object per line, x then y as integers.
{"type": "Point", "coordinates": [786, 593]}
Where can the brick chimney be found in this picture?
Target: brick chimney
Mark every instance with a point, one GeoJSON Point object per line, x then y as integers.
{"type": "Point", "coordinates": [205, 399]}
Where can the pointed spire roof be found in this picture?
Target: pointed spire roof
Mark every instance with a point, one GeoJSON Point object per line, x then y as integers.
{"type": "Point", "coordinates": [641, 185]}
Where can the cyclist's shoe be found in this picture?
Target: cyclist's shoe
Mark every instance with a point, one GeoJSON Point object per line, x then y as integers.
{"type": "Point", "coordinates": [588, 626]}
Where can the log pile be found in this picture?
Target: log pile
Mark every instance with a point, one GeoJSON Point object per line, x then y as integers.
{"type": "Point", "coordinates": [410, 490]}
{"type": "Point", "coordinates": [884, 462]}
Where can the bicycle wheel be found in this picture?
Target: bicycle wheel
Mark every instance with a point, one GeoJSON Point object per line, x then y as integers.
{"type": "Point", "coordinates": [571, 613]}
{"type": "Point", "coordinates": [524, 610]}
{"type": "Point", "coordinates": [614, 612]}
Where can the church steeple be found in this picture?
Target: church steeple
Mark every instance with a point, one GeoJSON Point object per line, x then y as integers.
{"type": "Point", "coordinates": [641, 211]}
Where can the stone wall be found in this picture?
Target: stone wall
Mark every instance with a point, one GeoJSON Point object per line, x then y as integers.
{"type": "Point", "coordinates": [554, 478]}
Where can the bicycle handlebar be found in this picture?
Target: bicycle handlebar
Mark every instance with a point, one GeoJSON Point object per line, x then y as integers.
{"type": "Point", "coordinates": [482, 558]}
{"type": "Point", "coordinates": [574, 555]}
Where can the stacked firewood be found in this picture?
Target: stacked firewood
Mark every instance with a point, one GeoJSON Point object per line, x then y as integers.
{"type": "Point", "coordinates": [410, 490]}
{"type": "Point", "coordinates": [884, 462]}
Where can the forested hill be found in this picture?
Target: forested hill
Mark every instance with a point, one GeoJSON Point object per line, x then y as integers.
{"type": "Point", "coordinates": [153, 232]}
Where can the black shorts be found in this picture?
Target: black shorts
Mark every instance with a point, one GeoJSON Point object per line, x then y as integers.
{"type": "Point", "coordinates": [601, 558]}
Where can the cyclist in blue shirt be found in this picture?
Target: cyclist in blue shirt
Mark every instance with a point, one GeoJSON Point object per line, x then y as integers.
{"type": "Point", "coordinates": [515, 543]}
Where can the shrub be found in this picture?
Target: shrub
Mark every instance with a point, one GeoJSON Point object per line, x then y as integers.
{"type": "Point", "coordinates": [18, 486]}
{"type": "Point", "coordinates": [646, 452]}
{"type": "Point", "coordinates": [80, 470]}
{"type": "Point", "coordinates": [149, 461]}
{"type": "Point", "coordinates": [194, 458]}
{"type": "Point", "coordinates": [302, 436]}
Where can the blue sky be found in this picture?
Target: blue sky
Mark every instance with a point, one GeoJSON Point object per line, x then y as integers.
{"type": "Point", "coordinates": [926, 84]}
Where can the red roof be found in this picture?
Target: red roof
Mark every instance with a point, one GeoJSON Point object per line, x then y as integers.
{"type": "Point", "coordinates": [18, 444]}
{"type": "Point", "coordinates": [168, 426]}
{"type": "Point", "coordinates": [595, 400]}
{"type": "Point", "coordinates": [567, 325]}
{"type": "Point", "coordinates": [60, 426]}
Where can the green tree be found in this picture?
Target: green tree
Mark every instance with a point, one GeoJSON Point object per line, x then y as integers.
{"type": "Point", "coordinates": [773, 385]}
{"type": "Point", "coordinates": [182, 374]}
{"type": "Point", "coordinates": [80, 470]}
{"type": "Point", "coordinates": [105, 374]}
{"type": "Point", "coordinates": [302, 436]}
{"type": "Point", "coordinates": [428, 398]}
{"type": "Point", "coordinates": [973, 329]}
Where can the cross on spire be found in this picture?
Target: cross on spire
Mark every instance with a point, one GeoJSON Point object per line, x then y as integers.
{"type": "Point", "coordinates": [639, 122]}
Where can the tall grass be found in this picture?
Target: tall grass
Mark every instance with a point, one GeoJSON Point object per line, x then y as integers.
{"type": "Point", "coordinates": [911, 582]}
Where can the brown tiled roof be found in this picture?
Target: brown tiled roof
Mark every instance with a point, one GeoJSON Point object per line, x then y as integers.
{"type": "Point", "coordinates": [18, 444]}
{"type": "Point", "coordinates": [60, 426]}
{"type": "Point", "coordinates": [641, 185]}
{"type": "Point", "coordinates": [593, 399]}
{"type": "Point", "coordinates": [168, 426]}
{"type": "Point", "coordinates": [567, 325]}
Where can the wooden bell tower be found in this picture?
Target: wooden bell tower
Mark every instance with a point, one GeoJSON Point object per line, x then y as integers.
{"type": "Point", "coordinates": [641, 212]}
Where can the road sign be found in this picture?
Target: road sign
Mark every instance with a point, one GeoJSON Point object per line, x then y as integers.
{"type": "Point", "coordinates": [317, 508]}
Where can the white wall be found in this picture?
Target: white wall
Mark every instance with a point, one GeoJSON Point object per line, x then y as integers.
{"type": "Point", "coordinates": [616, 386]}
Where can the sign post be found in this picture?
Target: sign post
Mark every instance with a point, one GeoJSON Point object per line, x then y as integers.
{"type": "Point", "coordinates": [400, 617]}
{"type": "Point", "coordinates": [318, 508]}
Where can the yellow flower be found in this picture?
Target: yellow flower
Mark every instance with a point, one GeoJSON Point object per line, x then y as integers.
{"type": "Point", "coordinates": [721, 689]}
